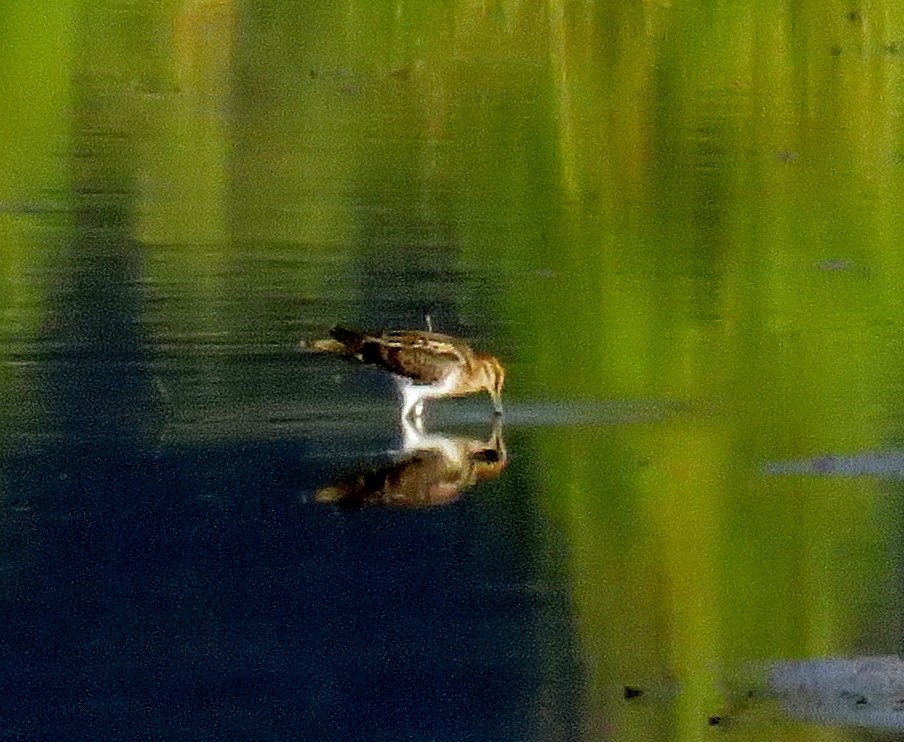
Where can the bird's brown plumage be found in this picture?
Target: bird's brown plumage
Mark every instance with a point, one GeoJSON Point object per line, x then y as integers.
{"type": "Point", "coordinates": [423, 357]}
{"type": "Point", "coordinates": [431, 364]}
{"type": "Point", "coordinates": [425, 475]}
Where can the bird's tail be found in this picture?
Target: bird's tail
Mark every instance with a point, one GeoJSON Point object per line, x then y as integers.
{"type": "Point", "coordinates": [327, 345]}
{"type": "Point", "coordinates": [352, 340]}
{"type": "Point", "coordinates": [329, 494]}
{"type": "Point", "coordinates": [342, 342]}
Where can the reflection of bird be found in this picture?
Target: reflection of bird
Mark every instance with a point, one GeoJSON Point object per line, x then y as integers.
{"type": "Point", "coordinates": [424, 364]}
{"type": "Point", "coordinates": [432, 470]}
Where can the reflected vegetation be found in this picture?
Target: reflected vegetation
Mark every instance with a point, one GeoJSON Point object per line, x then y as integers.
{"type": "Point", "coordinates": [431, 469]}
{"type": "Point", "coordinates": [677, 224]}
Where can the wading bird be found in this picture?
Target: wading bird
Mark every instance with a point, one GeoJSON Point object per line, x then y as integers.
{"type": "Point", "coordinates": [430, 470]}
{"type": "Point", "coordinates": [425, 364]}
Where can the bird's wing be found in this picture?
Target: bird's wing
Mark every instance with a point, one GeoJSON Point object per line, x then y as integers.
{"type": "Point", "coordinates": [424, 357]}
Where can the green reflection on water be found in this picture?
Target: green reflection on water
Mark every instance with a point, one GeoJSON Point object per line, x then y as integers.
{"type": "Point", "coordinates": [693, 204]}
{"type": "Point", "coordinates": [35, 87]}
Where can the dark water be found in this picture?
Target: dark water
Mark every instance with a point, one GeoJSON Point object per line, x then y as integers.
{"type": "Point", "coordinates": [677, 227]}
{"type": "Point", "coordinates": [187, 592]}
{"type": "Point", "coordinates": [167, 573]}
{"type": "Point", "coordinates": [155, 588]}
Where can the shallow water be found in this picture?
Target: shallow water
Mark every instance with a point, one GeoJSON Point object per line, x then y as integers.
{"type": "Point", "coordinates": [676, 226]}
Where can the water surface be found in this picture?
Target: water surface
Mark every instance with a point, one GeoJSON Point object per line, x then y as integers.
{"type": "Point", "coordinates": [678, 228]}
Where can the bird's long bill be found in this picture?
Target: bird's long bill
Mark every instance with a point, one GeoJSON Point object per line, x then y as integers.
{"type": "Point", "coordinates": [497, 401]}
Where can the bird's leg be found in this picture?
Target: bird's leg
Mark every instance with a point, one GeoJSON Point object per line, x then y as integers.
{"type": "Point", "coordinates": [411, 435]}
{"type": "Point", "coordinates": [419, 411]}
{"type": "Point", "coordinates": [412, 420]}
{"type": "Point", "coordinates": [407, 407]}
{"type": "Point", "coordinates": [419, 425]}
{"type": "Point", "coordinates": [412, 404]}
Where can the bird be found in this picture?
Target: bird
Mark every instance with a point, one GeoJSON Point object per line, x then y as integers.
{"type": "Point", "coordinates": [430, 470]}
{"type": "Point", "coordinates": [424, 364]}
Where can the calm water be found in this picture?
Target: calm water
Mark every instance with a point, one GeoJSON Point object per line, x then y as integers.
{"type": "Point", "coordinates": [679, 228]}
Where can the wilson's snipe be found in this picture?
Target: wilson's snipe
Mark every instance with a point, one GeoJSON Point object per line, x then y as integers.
{"type": "Point", "coordinates": [430, 470]}
{"type": "Point", "coordinates": [425, 364]}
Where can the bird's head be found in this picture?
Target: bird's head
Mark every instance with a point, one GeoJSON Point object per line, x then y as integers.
{"type": "Point", "coordinates": [494, 380]}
